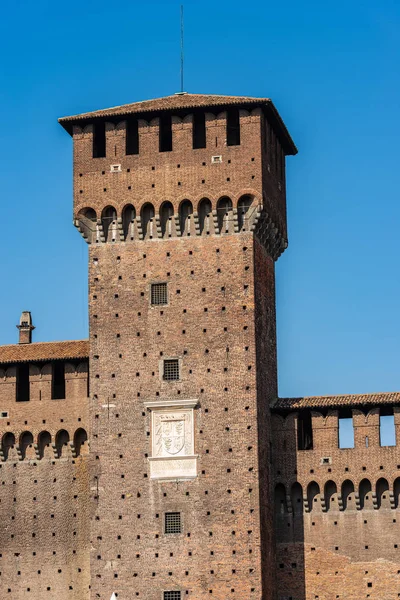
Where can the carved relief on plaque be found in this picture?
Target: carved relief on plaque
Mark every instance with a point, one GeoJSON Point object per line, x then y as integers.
{"type": "Point", "coordinates": [172, 439]}
{"type": "Point", "coordinates": [172, 434]}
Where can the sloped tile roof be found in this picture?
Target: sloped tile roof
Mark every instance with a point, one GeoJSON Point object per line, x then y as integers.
{"type": "Point", "coordinates": [332, 401]}
{"type": "Point", "coordinates": [180, 102]}
{"type": "Point", "coordinates": [173, 102]}
{"type": "Point", "coordinates": [44, 351]}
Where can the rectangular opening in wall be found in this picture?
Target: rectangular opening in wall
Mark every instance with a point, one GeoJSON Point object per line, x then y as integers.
{"type": "Point", "coordinates": [165, 133]}
{"type": "Point", "coordinates": [199, 130]}
{"type": "Point", "coordinates": [232, 127]}
{"type": "Point", "coordinates": [304, 430]}
{"type": "Point", "coordinates": [172, 522]}
{"type": "Point", "coordinates": [346, 429]}
{"type": "Point", "coordinates": [171, 369]}
{"type": "Point", "coordinates": [387, 430]}
{"type": "Point", "coordinates": [159, 294]}
{"type": "Point", "coordinates": [173, 595]}
{"type": "Point", "coordinates": [99, 139]}
{"type": "Point", "coordinates": [58, 381]}
{"type": "Point", "coordinates": [132, 136]}
{"type": "Point", "coordinates": [22, 387]}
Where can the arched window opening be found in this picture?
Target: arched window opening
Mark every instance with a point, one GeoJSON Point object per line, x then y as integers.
{"type": "Point", "coordinates": [44, 441]}
{"type": "Point", "coordinates": [313, 494]}
{"type": "Point", "coordinates": [396, 491]}
{"type": "Point", "coordinates": [166, 216]}
{"type": "Point", "coordinates": [58, 380]}
{"type": "Point", "coordinates": [296, 497]}
{"type": "Point", "coordinates": [80, 441]}
{"type": "Point", "coordinates": [199, 130]}
{"type": "Point", "coordinates": [304, 430]}
{"type": "Point", "coordinates": [185, 215]}
{"type": "Point", "coordinates": [243, 207]}
{"type": "Point", "coordinates": [224, 213]}
{"type": "Point", "coordinates": [365, 492]}
{"type": "Point", "coordinates": [62, 439]}
{"type": "Point", "coordinates": [346, 429]}
{"type": "Point", "coordinates": [99, 139]}
{"type": "Point", "coordinates": [280, 500]}
{"type": "Point", "coordinates": [132, 136]}
{"type": "Point", "coordinates": [382, 493]}
{"type": "Point", "coordinates": [25, 441]}
{"type": "Point", "coordinates": [348, 496]}
{"type": "Point", "coordinates": [128, 221]}
{"type": "Point", "coordinates": [233, 127]}
{"type": "Point", "coordinates": [109, 222]}
{"type": "Point", "coordinates": [205, 214]}
{"type": "Point", "coordinates": [165, 133]}
{"type": "Point", "coordinates": [147, 217]}
{"type": "Point", "coordinates": [87, 219]}
{"type": "Point", "coordinates": [331, 496]}
{"type": "Point", "coordinates": [7, 443]}
{"type": "Point", "coordinates": [23, 387]}
{"type": "Point", "coordinates": [387, 430]}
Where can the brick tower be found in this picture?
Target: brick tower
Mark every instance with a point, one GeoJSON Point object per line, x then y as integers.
{"type": "Point", "coordinates": [182, 202]}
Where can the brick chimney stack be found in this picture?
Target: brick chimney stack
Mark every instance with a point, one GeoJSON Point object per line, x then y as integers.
{"type": "Point", "coordinates": [25, 328]}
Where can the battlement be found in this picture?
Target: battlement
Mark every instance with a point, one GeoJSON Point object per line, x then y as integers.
{"type": "Point", "coordinates": [185, 165]}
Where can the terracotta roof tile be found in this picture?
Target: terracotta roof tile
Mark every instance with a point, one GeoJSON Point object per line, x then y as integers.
{"type": "Point", "coordinates": [181, 102]}
{"type": "Point", "coordinates": [336, 401]}
{"type": "Point", "coordinates": [44, 351]}
{"type": "Point", "coordinates": [174, 102]}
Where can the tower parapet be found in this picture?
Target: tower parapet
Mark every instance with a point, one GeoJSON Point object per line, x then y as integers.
{"type": "Point", "coordinates": [183, 166]}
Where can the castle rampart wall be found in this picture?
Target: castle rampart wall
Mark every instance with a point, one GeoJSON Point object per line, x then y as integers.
{"type": "Point", "coordinates": [336, 509]}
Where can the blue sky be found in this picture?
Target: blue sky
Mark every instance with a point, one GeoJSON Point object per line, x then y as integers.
{"type": "Point", "coordinates": [332, 70]}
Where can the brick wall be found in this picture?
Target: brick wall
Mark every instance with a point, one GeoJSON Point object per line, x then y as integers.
{"type": "Point", "coordinates": [44, 489]}
{"type": "Point", "coordinates": [210, 324]}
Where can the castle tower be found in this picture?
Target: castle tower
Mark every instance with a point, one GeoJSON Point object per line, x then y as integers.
{"type": "Point", "coordinates": [182, 202]}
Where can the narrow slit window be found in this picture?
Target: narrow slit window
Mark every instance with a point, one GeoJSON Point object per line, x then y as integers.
{"type": "Point", "coordinates": [58, 381]}
{"type": "Point", "coordinates": [304, 431]}
{"type": "Point", "coordinates": [387, 431]}
{"type": "Point", "coordinates": [165, 133]}
{"type": "Point", "coordinates": [173, 522]}
{"type": "Point", "coordinates": [132, 136]}
{"type": "Point", "coordinates": [199, 130]}
{"type": "Point", "coordinates": [171, 369]}
{"type": "Point", "coordinates": [99, 140]}
{"type": "Point", "coordinates": [233, 127]}
{"type": "Point", "coordinates": [22, 388]}
{"type": "Point", "coordinates": [159, 294]}
{"type": "Point", "coordinates": [173, 595]}
{"type": "Point", "coordinates": [346, 429]}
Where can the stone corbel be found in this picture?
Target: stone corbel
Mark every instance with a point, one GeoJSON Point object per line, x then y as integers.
{"type": "Point", "coordinates": [178, 231]}
{"type": "Point", "coordinates": [120, 229]}
{"type": "Point", "coordinates": [139, 227]}
{"type": "Point", "coordinates": [196, 223]}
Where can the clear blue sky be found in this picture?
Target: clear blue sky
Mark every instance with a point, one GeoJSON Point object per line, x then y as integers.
{"type": "Point", "coordinates": [332, 69]}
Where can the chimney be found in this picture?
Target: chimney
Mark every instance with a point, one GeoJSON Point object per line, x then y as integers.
{"type": "Point", "coordinates": [25, 328]}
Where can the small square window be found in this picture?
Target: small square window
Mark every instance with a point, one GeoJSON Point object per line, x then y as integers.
{"type": "Point", "coordinates": [171, 369]}
{"type": "Point", "coordinates": [175, 595]}
{"type": "Point", "coordinates": [159, 295]}
{"type": "Point", "coordinates": [173, 522]}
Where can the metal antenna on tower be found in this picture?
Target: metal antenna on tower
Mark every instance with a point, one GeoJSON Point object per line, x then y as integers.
{"type": "Point", "coordinates": [182, 55]}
